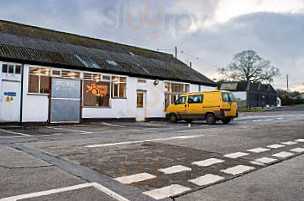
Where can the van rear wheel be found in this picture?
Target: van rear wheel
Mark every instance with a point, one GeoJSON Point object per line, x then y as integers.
{"type": "Point", "coordinates": [210, 118]}
{"type": "Point", "coordinates": [172, 118]}
{"type": "Point", "coordinates": [226, 120]}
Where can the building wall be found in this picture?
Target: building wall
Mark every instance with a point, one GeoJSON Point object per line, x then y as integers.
{"type": "Point", "coordinates": [207, 88]}
{"type": "Point", "coordinates": [36, 106]}
{"type": "Point", "coordinates": [12, 109]}
{"type": "Point", "coordinates": [126, 108]}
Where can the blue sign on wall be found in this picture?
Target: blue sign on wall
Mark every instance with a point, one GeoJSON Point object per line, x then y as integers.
{"type": "Point", "coordinates": [10, 94]}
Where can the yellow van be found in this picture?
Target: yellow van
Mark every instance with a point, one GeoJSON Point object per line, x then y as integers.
{"type": "Point", "coordinates": [211, 106]}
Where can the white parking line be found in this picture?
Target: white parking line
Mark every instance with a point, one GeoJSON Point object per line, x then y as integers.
{"type": "Point", "coordinates": [283, 154]}
{"type": "Point", "coordinates": [297, 150]}
{"type": "Point", "coordinates": [66, 129]}
{"type": "Point", "coordinates": [235, 155]}
{"type": "Point", "coordinates": [174, 169]}
{"type": "Point", "coordinates": [65, 189]}
{"type": "Point", "coordinates": [142, 141]}
{"type": "Point", "coordinates": [265, 160]}
{"type": "Point", "coordinates": [258, 150]}
{"type": "Point", "coordinates": [167, 192]}
{"type": "Point", "coordinates": [276, 146]}
{"type": "Point", "coordinates": [238, 170]}
{"type": "Point", "coordinates": [206, 180]}
{"type": "Point", "coordinates": [14, 133]}
{"type": "Point", "coordinates": [135, 178]}
{"type": "Point", "coordinates": [112, 125]}
{"type": "Point", "coordinates": [208, 162]}
{"type": "Point", "coordinates": [257, 163]}
{"type": "Point", "coordinates": [289, 143]}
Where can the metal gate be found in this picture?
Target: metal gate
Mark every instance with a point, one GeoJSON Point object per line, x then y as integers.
{"type": "Point", "coordinates": [65, 101]}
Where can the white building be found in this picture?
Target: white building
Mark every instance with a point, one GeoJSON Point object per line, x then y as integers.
{"type": "Point", "coordinates": [54, 77]}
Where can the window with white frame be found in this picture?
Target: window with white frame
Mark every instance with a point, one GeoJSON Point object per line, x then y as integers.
{"type": "Point", "coordinates": [11, 68]}
{"type": "Point", "coordinates": [119, 87]}
{"type": "Point", "coordinates": [39, 78]}
{"type": "Point", "coordinates": [96, 90]}
{"type": "Point", "coordinates": [173, 91]}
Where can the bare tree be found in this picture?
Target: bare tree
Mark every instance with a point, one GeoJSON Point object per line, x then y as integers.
{"type": "Point", "coordinates": [249, 66]}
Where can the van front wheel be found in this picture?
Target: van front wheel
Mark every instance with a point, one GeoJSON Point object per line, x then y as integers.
{"type": "Point", "coordinates": [226, 120]}
{"type": "Point", "coordinates": [173, 118]}
{"type": "Point", "coordinates": [210, 118]}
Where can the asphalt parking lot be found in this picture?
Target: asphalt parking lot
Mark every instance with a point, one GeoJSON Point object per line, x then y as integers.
{"type": "Point", "coordinates": [155, 160]}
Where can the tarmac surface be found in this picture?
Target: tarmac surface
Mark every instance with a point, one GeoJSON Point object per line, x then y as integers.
{"type": "Point", "coordinates": [256, 157]}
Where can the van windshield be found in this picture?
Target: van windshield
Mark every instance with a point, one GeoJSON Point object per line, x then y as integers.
{"type": "Point", "coordinates": [228, 97]}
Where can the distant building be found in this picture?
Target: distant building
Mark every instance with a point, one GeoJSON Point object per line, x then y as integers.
{"type": "Point", "coordinates": [250, 94]}
{"type": "Point", "coordinates": [55, 77]}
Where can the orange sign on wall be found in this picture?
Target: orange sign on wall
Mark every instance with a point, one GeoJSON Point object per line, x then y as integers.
{"type": "Point", "coordinates": [98, 90]}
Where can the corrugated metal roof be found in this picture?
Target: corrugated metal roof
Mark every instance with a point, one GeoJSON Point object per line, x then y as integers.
{"type": "Point", "coordinates": [34, 45]}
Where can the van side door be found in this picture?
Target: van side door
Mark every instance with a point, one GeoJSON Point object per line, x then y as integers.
{"type": "Point", "coordinates": [195, 109]}
{"type": "Point", "coordinates": [181, 107]}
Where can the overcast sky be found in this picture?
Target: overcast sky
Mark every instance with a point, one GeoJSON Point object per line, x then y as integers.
{"type": "Point", "coordinates": [207, 32]}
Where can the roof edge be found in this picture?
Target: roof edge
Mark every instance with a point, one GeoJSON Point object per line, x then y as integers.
{"type": "Point", "coordinates": [26, 62]}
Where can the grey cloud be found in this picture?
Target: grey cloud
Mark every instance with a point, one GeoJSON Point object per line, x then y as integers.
{"type": "Point", "coordinates": [277, 37]}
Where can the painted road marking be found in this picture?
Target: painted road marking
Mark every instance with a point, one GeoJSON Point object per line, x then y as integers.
{"type": "Point", "coordinates": [135, 178]}
{"type": "Point", "coordinates": [112, 125]}
{"type": "Point", "coordinates": [258, 150]}
{"type": "Point", "coordinates": [166, 192]}
{"type": "Point", "coordinates": [276, 146]}
{"type": "Point", "coordinates": [238, 170]}
{"type": "Point", "coordinates": [299, 140]}
{"type": "Point", "coordinates": [298, 150]}
{"type": "Point", "coordinates": [283, 154]}
{"type": "Point", "coordinates": [70, 130]}
{"type": "Point", "coordinates": [257, 163]}
{"type": "Point", "coordinates": [208, 162]}
{"type": "Point", "coordinates": [142, 141]}
{"type": "Point", "coordinates": [174, 169]}
{"type": "Point", "coordinates": [266, 160]}
{"type": "Point", "coordinates": [65, 189]}
{"type": "Point", "coordinates": [235, 155]}
{"type": "Point", "coordinates": [289, 143]}
{"type": "Point", "coordinates": [206, 180]}
{"type": "Point", "coordinates": [14, 133]}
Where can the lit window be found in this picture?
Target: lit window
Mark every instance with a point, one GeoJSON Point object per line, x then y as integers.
{"type": "Point", "coordinates": [140, 100]}
{"type": "Point", "coordinates": [106, 77]}
{"type": "Point", "coordinates": [119, 87]}
{"type": "Point", "coordinates": [97, 77]}
{"type": "Point", "coordinates": [96, 94]}
{"type": "Point", "coordinates": [87, 76]}
{"type": "Point", "coordinates": [33, 84]}
{"type": "Point", "coordinates": [56, 73]}
{"type": "Point", "coordinates": [44, 84]}
{"type": "Point", "coordinates": [39, 80]}
{"type": "Point", "coordinates": [65, 74]}
{"type": "Point", "coordinates": [141, 81]}
{"type": "Point", "coordinates": [173, 91]}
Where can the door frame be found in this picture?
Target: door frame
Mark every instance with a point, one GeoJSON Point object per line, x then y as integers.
{"type": "Point", "coordinates": [20, 103]}
{"type": "Point", "coordinates": [144, 103]}
{"type": "Point", "coordinates": [50, 102]}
